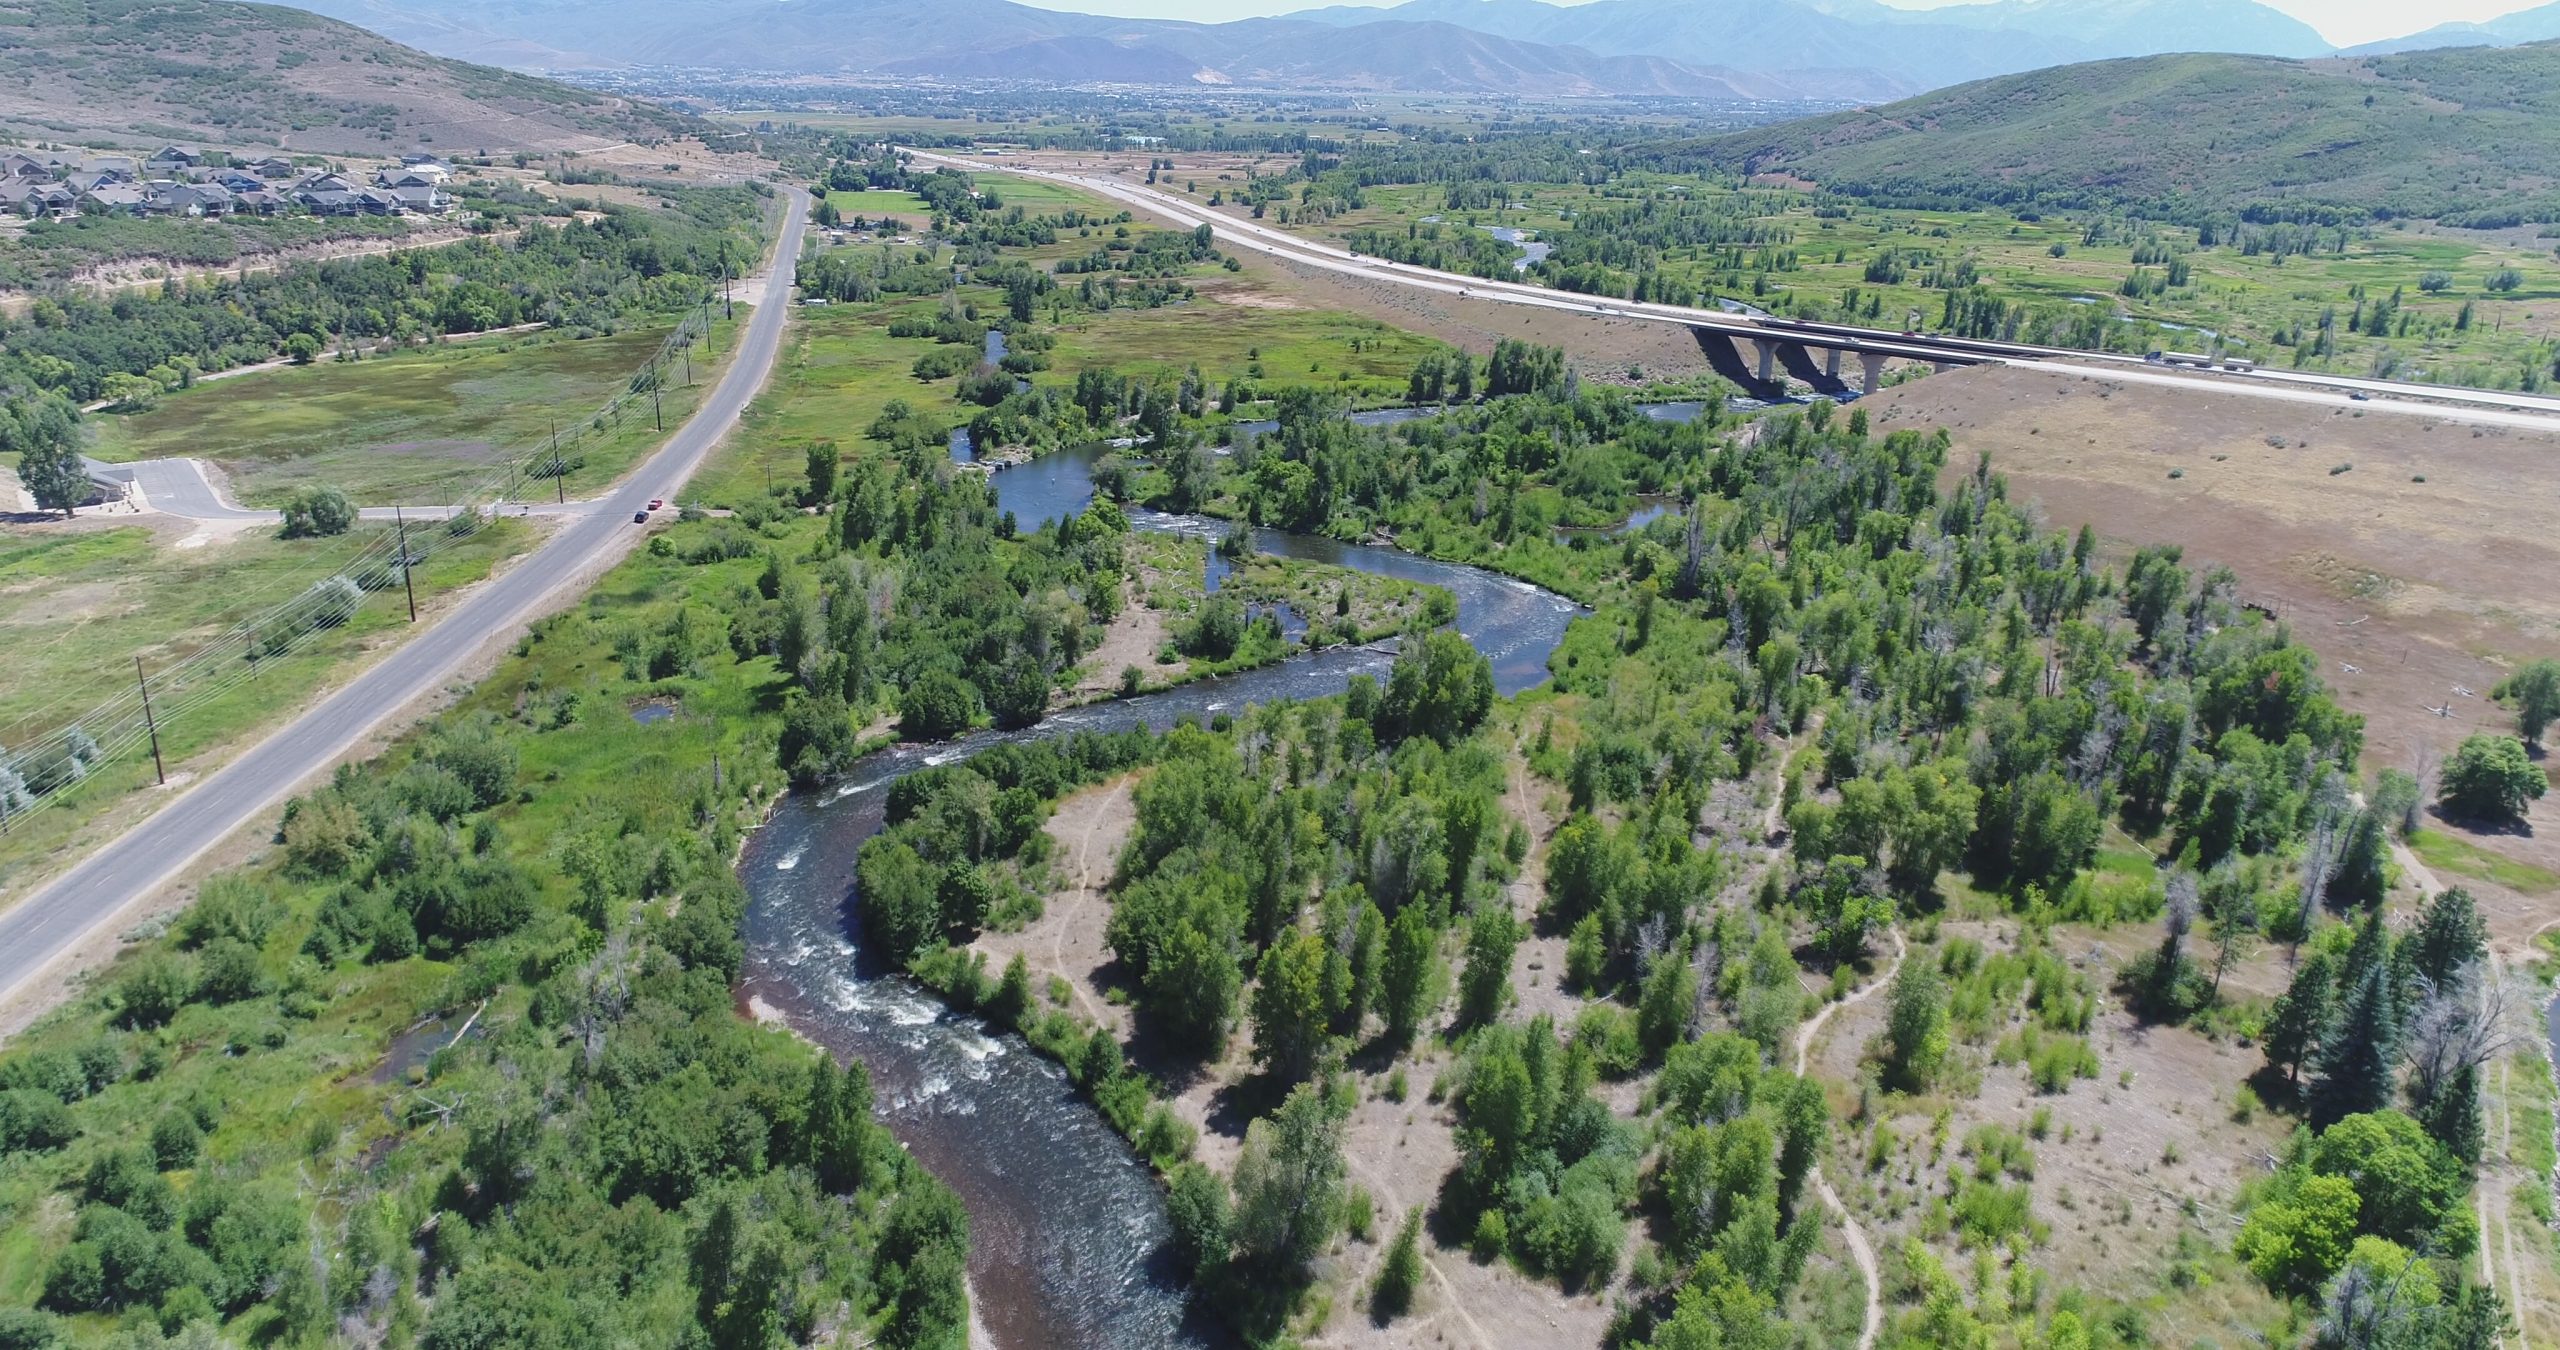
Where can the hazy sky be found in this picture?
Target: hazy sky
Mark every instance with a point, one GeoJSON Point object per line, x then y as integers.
{"type": "Point", "coordinates": [2345, 22]}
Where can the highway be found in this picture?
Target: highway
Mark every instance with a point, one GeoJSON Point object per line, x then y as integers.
{"type": "Point", "coordinates": [41, 929]}
{"type": "Point", "coordinates": [2446, 403]}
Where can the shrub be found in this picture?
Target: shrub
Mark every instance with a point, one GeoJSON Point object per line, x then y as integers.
{"type": "Point", "coordinates": [34, 1122]}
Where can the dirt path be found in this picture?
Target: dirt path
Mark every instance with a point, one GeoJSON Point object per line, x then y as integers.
{"type": "Point", "coordinates": [1858, 1248]}
{"type": "Point", "coordinates": [1088, 888]}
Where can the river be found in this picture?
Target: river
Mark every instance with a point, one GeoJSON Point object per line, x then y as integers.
{"type": "Point", "coordinates": [1068, 1232]}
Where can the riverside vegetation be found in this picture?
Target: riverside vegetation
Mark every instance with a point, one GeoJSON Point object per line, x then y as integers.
{"type": "Point", "coordinates": [1953, 710]}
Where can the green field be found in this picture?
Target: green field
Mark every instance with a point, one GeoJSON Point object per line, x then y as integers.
{"type": "Point", "coordinates": [78, 606]}
{"type": "Point", "coordinates": [415, 427]}
{"type": "Point", "coordinates": [905, 206]}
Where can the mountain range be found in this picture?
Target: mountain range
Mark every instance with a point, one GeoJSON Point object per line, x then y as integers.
{"type": "Point", "coordinates": [1844, 50]}
{"type": "Point", "coordinates": [2532, 25]}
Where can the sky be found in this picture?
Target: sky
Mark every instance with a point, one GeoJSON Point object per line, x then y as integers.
{"type": "Point", "coordinates": [2344, 22]}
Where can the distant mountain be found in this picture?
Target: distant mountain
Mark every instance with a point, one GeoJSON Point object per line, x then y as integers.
{"type": "Point", "coordinates": [1915, 49]}
{"type": "Point", "coordinates": [2532, 25]}
{"type": "Point", "coordinates": [999, 40]}
{"type": "Point", "coordinates": [241, 74]}
{"type": "Point", "coordinates": [2470, 133]}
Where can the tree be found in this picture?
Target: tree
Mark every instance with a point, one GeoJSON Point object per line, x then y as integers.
{"type": "Point", "coordinates": [44, 429]}
{"type": "Point", "coordinates": [1441, 687]}
{"type": "Point", "coordinates": [1289, 1014]}
{"type": "Point", "coordinates": [1196, 1203]}
{"type": "Point", "coordinates": [2300, 1016]}
{"type": "Point", "coordinates": [317, 513]}
{"type": "Point", "coordinates": [2534, 690]}
{"type": "Point", "coordinates": [1492, 936]}
{"type": "Point", "coordinates": [823, 461]}
{"type": "Point", "coordinates": [1412, 949]}
{"type": "Point", "coordinates": [2295, 1244]}
{"type": "Point", "coordinates": [1288, 1183]}
{"type": "Point", "coordinates": [1191, 986]}
{"type": "Point", "coordinates": [938, 706]}
{"type": "Point", "coordinates": [2448, 936]}
{"type": "Point", "coordinates": [302, 348]}
{"type": "Point", "coordinates": [2491, 778]}
{"type": "Point", "coordinates": [1916, 1025]}
{"type": "Point", "coordinates": [1400, 1275]}
{"type": "Point", "coordinates": [2357, 1051]}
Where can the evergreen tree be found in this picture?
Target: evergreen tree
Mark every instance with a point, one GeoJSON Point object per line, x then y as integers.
{"type": "Point", "coordinates": [2453, 1117]}
{"type": "Point", "coordinates": [2449, 935]}
{"type": "Point", "coordinates": [2357, 1051]}
{"type": "Point", "coordinates": [2294, 1025]}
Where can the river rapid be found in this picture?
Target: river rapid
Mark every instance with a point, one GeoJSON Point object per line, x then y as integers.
{"type": "Point", "coordinates": [1067, 1228]}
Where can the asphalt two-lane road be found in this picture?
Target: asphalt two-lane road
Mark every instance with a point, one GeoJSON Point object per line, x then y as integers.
{"type": "Point", "coordinates": [39, 930]}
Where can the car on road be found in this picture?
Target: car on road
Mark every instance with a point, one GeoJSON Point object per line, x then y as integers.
{"type": "Point", "coordinates": [639, 517]}
{"type": "Point", "coordinates": [2360, 396]}
{"type": "Point", "coordinates": [657, 503]}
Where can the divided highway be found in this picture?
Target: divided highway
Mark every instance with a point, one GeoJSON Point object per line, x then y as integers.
{"type": "Point", "coordinates": [39, 930]}
{"type": "Point", "coordinates": [2478, 407]}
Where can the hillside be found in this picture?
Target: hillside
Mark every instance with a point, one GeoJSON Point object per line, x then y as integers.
{"type": "Point", "coordinates": [241, 74]}
{"type": "Point", "coordinates": [2473, 131]}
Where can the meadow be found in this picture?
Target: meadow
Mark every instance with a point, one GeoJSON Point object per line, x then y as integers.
{"type": "Point", "coordinates": [77, 608]}
{"type": "Point", "coordinates": [416, 426]}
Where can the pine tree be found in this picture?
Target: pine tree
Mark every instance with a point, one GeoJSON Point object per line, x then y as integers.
{"type": "Point", "coordinates": [2356, 1051]}
{"type": "Point", "coordinates": [2295, 1023]}
{"type": "Point", "coordinates": [2448, 936]}
{"type": "Point", "coordinates": [2453, 1117]}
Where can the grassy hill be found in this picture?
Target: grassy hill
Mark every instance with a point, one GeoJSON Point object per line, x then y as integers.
{"type": "Point", "coordinates": [2473, 131]}
{"type": "Point", "coordinates": [240, 74]}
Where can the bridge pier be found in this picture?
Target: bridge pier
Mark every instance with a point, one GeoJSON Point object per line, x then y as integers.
{"type": "Point", "coordinates": [1831, 363]}
{"type": "Point", "coordinates": [1768, 359]}
{"type": "Point", "coordinates": [1871, 365]}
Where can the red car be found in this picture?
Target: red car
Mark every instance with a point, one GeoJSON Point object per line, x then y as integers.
{"type": "Point", "coordinates": [657, 503]}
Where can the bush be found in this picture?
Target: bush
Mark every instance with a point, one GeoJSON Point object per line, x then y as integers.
{"type": "Point", "coordinates": [153, 991]}
{"type": "Point", "coordinates": [34, 1122]}
{"type": "Point", "coordinates": [1391, 1296]}
{"type": "Point", "coordinates": [1196, 1203]}
{"type": "Point", "coordinates": [176, 1141]}
{"type": "Point", "coordinates": [318, 512]}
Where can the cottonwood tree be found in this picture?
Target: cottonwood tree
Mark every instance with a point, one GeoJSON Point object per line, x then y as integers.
{"type": "Point", "coordinates": [2491, 778]}
{"type": "Point", "coordinates": [1288, 1183]}
{"type": "Point", "coordinates": [2535, 691]}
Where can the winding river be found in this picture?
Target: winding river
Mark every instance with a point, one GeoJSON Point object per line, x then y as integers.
{"type": "Point", "coordinates": [1068, 1232]}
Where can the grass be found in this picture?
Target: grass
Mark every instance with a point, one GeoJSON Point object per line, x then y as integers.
{"type": "Point", "coordinates": [418, 426]}
{"type": "Point", "coordinates": [905, 206]}
{"type": "Point", "coordinates": [77, 608]}
{"type": "Point", "coordinates": [1362, 359]}
{"type": "Point", "coordinates": [2442, 851]}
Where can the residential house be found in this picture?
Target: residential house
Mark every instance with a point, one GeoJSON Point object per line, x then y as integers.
{"type": "Point", "coordinates": [19, 167]}
{"type": "Point", "coordinates": [114, 199]}
{"type": "Point", "coordinates": [427, 164]}
{"type": "Point", "coordinates": [21, 199]}
{"type": "Point", "coordinates": [192, 199]}
{"type": "Point", "coordinates": [170, 160]}
{"type": "Point", "coordinates": [121, 166]}
{"type": "Point", "coordinates": [261, 201]}
{"type": "Point", "coordinates": [400, 178]}
{"type": "Point", "coordinates": [274, 168]}
{"type": "Point", "coordinates": [423, 200]}
{"type": "Point", "coordinates": [239, 180]}
{"type": "Point", "coordinates": [327, 201]}
{"type": "Point", "coordinates": [324, 182]}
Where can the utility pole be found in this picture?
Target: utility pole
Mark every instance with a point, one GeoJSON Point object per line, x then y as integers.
{"type": "Point", "coordinates": [559, 475]}
{"type": "Point", "coordinates": [405, 584]}
{"type": "Point", "coordinates": [150, 723]}
{"type": "Point", "coordinates": [656, 408]}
